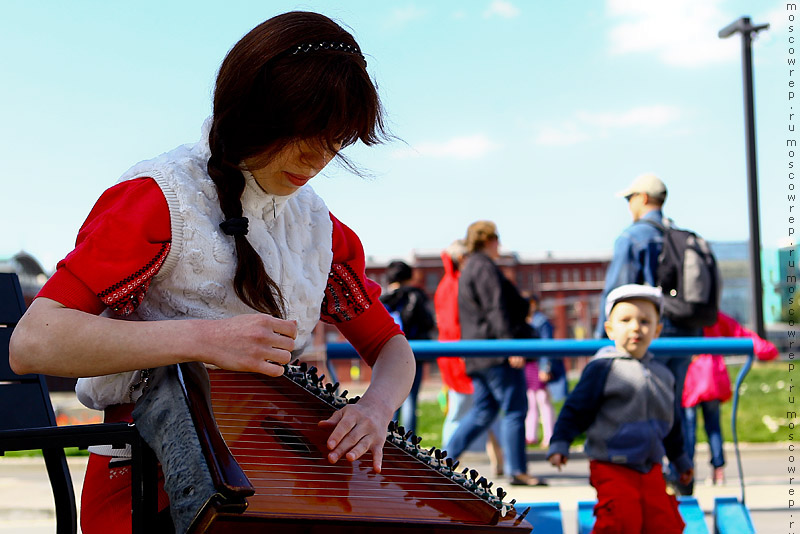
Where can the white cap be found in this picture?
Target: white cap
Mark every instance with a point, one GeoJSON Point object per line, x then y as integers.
{"type": "Point", "coordinates": [647, 183]}
{"type": "Point", "coordinates": [635, 291]}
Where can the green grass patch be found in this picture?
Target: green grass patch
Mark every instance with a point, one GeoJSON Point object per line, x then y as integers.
{"type": "Point", "coordinates": [69, 451]}
{"type": "Point", "coordinates": [763, 405]}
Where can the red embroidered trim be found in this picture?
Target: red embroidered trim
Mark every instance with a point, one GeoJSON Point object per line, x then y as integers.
{"type": "Point", "coordinates": [125, 296]}
{"type": "Point", "coordinates": [346, 297]}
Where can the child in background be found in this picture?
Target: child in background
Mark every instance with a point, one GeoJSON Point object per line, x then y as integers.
{"type": "Point", "coordinates": [410, 307]}
{"type": "Point", "coordinates": [625, 403]}
{"type": "Point", "coordinates": [539, 374]}
{"type": "Point", "coordinates": [708, 385]}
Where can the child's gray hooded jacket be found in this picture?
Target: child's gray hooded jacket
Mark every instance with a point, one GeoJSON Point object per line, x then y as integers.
{"type": "Point", "coordinates": [628, 410]}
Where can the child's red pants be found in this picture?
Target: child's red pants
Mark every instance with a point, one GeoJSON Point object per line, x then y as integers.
{"type": "Point", "coordinates": [630, 502]}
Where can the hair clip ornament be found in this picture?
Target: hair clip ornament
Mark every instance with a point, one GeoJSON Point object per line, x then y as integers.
{"type": "Point", "coordinates": [326, 45]}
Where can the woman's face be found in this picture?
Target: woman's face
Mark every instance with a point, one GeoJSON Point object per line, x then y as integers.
{"type": "Point", "coordinates": [292, 167]}
{"type": "Point", "coordinates": [492, 247]}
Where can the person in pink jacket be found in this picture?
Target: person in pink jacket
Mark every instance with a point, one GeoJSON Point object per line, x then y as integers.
{"type": "Point", "coordinates": [708, 385]}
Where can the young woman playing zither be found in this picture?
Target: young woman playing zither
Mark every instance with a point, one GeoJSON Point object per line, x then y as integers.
{"type": "Point", "coordinates": [220, 253]}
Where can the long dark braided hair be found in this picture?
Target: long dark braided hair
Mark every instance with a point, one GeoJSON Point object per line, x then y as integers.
{"type": "Point", "coordinates": [297, 76]}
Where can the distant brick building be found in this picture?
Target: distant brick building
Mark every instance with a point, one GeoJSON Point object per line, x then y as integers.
{"type": "Point", "coordinates": [568, 287]}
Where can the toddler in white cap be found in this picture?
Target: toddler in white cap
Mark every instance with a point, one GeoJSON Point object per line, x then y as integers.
{"type": "Point", "coordinates": [625, 403]}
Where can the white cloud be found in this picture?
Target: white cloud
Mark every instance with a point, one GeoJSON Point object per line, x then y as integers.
{"type": "Point", "coordinates": [588, 125]}
{"type": "Point", "coordinates": [680, 32]}
{"type": "Point", "coordinates": [501, 8]}
{"type": "Point", "coordinates": [403, 15]}
{"type": "Point", "coordinates": [467, 147]}
{"type": "Point", "coordinates": [778, 25]}
{"type": "Point", "coordinates": [647, 116]}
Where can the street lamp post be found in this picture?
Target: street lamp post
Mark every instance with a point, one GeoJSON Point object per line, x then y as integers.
{"type": "Point", "coordinates": [744, 26]}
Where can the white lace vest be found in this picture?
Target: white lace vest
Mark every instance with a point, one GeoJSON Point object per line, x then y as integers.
{"type": "Point", "coordinates": [292, 234]}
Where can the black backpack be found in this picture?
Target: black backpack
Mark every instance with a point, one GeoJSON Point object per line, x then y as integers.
{"type": "Point", "coordinates": [408, 306]}
{"type": "Point", "coordinates": [688, 276]}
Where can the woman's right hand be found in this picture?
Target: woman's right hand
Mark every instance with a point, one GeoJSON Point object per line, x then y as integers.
{"type": "Point", "coordinates": [254, 342]}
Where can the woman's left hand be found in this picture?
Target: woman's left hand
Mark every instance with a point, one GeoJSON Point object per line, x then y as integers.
{"type": "Point", "coordinates": [362, 427]}
{"type": "Point", "coordinates": [358, 428]}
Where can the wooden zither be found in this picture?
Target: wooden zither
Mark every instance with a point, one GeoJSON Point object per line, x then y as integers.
{"type": "Point", "coordinates": [268, 457]}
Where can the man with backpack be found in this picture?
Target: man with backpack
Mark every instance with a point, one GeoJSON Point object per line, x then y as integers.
{"type": "Point", "coordinates": [652, 251]}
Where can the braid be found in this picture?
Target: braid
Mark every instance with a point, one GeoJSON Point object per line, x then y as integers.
{"type": "Point", "coordinates": [251, 282]}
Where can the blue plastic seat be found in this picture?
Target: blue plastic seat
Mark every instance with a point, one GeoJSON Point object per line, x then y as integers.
{"type": "Point", "coordinates": [731, 517]}
{"type": "Point", "coordinates": [544, 516]}
{"type": "Point", "coordinates": [689, 508]}
{"type": "Point", "coordinates": [28, 422]}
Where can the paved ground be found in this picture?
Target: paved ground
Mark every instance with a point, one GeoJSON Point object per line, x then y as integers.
{"type": "Point", "coordinates": [26, 504]}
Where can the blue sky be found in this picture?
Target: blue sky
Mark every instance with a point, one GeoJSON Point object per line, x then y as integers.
{"type": "Point", "coordinates": [532, 114]}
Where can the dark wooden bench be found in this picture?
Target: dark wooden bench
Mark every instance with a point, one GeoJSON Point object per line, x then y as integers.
{"type": "Point", "coordinates": [28, 422]}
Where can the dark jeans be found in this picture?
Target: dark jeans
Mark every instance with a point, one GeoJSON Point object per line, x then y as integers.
{"type": "Point", "coordinates": [712, 427]}
{"type": "Point", "coordinates": [407, 413]}
{"type": "Point", "coordinates": [679, 365]}
{"type": "Point", "coordinates": [497, 388]}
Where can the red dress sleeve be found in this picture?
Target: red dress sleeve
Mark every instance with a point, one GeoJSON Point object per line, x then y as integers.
{"type": "Point", "coordinates": [351, 299]}
{"type": "Point", "coordinates": [119, 249]}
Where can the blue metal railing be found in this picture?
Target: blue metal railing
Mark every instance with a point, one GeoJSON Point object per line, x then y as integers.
{"type": "Point", "coordinates": [675, 346]}
{"type": "Point", "coordinates": [430, 350]}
